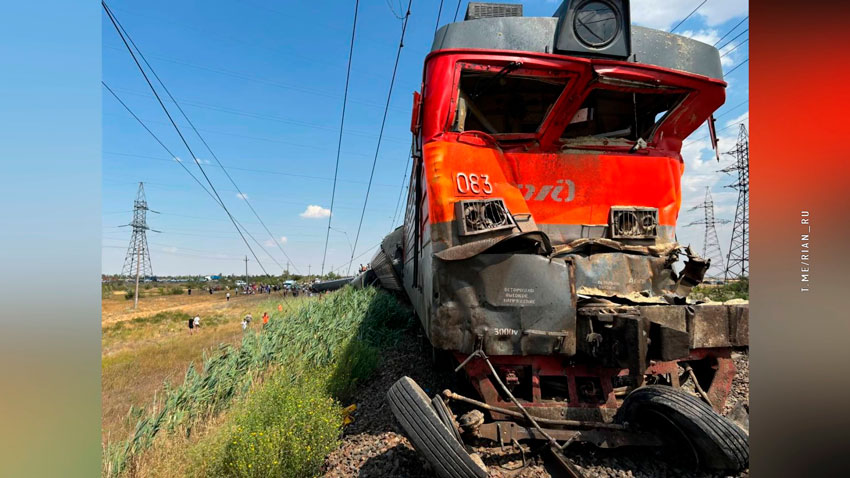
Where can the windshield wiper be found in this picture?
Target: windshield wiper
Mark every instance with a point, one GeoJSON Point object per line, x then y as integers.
{"type": "Point", "coordinates": [478, 91]}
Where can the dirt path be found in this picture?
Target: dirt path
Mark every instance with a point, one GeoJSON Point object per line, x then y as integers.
{"type": "Point", "coordinates": [117, 309]}
{"type": "Point", "coordinates": [375, 446]}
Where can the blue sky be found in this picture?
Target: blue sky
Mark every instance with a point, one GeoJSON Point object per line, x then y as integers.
{"type": "Point", "coordinates": [263, 82]}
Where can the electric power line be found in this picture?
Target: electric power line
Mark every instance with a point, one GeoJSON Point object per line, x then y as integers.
{"type": "Point", "coordinates": [733, 39]}
{"type": "Point", "coordinates": [262, 116]}
{"type": "Point", "coordinates": [381, 134]}
{"type": "Point", "coordinates": [731, 30]}
{"type": "Point", "coordinates": [243, 196]}
{"type": "Point", "coordinates": [403, 182]}
{"type": "Point", "coordinates": [457, 10]}
{"type": "Point", "coordinates": [253, 170]}
{"type": "Point", "coordinates": [733, 69]}
{"type": "Point", "coordinates": [341, 126]}
{"type": "Point", "coordinates": [735, 47]}
{"type": "Point", "coordinates": [689, 16]}
{"type": "Point", "coordinates": [439, 13]}
{"type": "Point", "coordinates": [705, 137]}
{"type": "Point", "coordinates": [180, 163]}
{"type": "Point", "coordinates": [253, 79]}
{"type": "Point", "coordinates": [179, 133]}
{"type": "Point", "coordinates": [711, 245]}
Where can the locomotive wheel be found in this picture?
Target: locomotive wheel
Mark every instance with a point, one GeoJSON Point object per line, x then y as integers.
{"type": "Point", "coordinates": [688, 425]}
{"type": "Point", "coordinates": [428, 433]}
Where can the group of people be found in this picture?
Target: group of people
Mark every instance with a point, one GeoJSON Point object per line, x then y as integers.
{"type": "Point", "coordinates": [189, 290]}
{"type": "Point", "coordinates": [195, 322]}
{"type": "Point", "coordinates": [246, 322]}
{"type": "Point", "coordinates": [260, 289]}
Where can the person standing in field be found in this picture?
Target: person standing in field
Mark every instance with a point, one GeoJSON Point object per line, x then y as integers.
{"type": "Point", "coordinates": [265, 319]}
{"type": "Point", "coordinates": [244, 325]}
{"type": "Point", "coordinates": [191, 325]}
{"type": "Point", "coordinates": [248, 319]}
{"type": "Point", "coordinates": [190, 291]}
{"type": "Point", "coordinates": [197, 322]}
{"type": "Point", "coordinates": [228, 296]}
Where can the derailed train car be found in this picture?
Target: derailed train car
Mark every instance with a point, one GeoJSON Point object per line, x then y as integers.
{"type": "Point", "coordinates": [539, 240]}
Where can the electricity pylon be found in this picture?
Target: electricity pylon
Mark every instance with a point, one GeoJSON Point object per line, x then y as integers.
{"type": "Point", "coordinates": [738, 261]}
{"type": "Point", "coordinates": [711, 245]}
{"type": "Point", "coordinates": [138, 260]}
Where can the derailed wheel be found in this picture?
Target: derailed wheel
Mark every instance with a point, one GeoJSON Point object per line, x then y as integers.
{"type": "Point", "coordinates": [714, 441]}
{"type": "Point", "coordinates": [429, 435]}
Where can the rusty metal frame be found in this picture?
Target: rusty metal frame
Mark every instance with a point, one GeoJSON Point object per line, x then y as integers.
{"type": "Point", "coordinates": [508, 432]}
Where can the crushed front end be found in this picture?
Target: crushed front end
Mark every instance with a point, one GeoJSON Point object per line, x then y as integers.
{"type": "Point", "coordinates": [539, 242]}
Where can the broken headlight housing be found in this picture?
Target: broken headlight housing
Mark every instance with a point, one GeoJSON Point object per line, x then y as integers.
{"type": "Point", "coordinates": [476, 216]}
{"type": "Point", "coordinates": [633, 222]}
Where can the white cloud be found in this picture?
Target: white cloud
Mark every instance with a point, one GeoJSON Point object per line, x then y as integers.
{"type": "Point", "coordinates": [170, 249]}
{"type": "Point", "coordinates": [202, 161]}
{"type": "Point", "coordinates": [270, 242]}
{"type": "Point", "coordinates": [663, 14]}
{"type": "Point", "coordinates": [242, 196]}
{"type": "Point", "coordinates": [177, 158]}
{"type": "Point", "coordinates": [315, 212]}
{"type": "Point", "coordinates": [706, 36]}
{"type": "Point", "coordinates": [701, 170]}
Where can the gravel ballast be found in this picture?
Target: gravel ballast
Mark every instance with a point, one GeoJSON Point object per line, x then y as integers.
{"type": "Point", "coordinates": [375, 446]}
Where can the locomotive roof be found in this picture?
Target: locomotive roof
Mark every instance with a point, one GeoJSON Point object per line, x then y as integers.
{"type": "Point", "coordinates": [537, 34]}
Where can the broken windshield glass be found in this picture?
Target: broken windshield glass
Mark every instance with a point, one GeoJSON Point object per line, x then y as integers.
{"type": "Point", "coordinates": [504, 102]}
{"type": "Point", "coordinates": [620, 114]}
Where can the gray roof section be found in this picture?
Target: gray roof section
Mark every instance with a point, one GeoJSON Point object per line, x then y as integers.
{"type": "Point", "coordinates": [537, 34]}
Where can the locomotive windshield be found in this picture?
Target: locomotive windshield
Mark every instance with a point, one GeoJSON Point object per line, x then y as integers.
{"type": "Point", "coordinates": [620, 114]}
{"type": "Point", "coordinates": [503, 102]}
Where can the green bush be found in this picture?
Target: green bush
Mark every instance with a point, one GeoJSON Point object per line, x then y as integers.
{"type": "Point", "coordinates": [340, 334]}
{"type": "Point", "coordinates": [739, 289]}
{"type": "Point", "coordinates": [284, 429]}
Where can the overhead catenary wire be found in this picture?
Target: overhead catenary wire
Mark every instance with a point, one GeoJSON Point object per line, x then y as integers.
{"type": "Point", "coordinates": [341, 128]}
{"type": "Point", "coordinates": [243, 196]}
{"type": "Point", "coordinates": [403, 183]}
{"type": "Point", "coordinates": [392, 9]}
{"type": "Point", "coordinates": [179, 133]}
{"type": "Point", "coordinates": [263, 116]}
{"type": "Point", "coordinates": [439, 13]}
{"type": "Point", "coordinates": [706, 137]}
{"type": "Point", "coordinates": [180, 163]}
{"type": "Point", "coordinates": [253, 170]}
{"type": "Point", "coordinates": [734, 48]}
{"type": "Point", "coordinates": [689, 16]}
{"type": "Point", "coordinates": [733, 39]}
{"type": "Point", "coordinates": [457, 9]}
{"type": "Point", "coordinates": [733, 69]}
{"type": "Point", "coordinates": [381, 133]}
{"type": "Point", "coordinates": [731, 30]}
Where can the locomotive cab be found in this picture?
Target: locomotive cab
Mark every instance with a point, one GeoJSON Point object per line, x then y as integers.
{"type": "Point", "coordinates": [540, 226]}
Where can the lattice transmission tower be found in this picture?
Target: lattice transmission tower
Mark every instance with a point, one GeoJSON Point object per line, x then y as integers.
{"type": "Point", "coordinates": [738, 261]}
{"type": "Point", "coordinates": [137, 262]}
{"type": "Point", "coordinates": [711, 245]}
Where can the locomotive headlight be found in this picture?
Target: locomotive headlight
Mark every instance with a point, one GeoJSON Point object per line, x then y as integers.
{"type": "Point", "coordinates": [596, 23]}
{"type": "Point", "coordinates": [477, 216]}
{"type": "Point", "coordinates": [633, 222]}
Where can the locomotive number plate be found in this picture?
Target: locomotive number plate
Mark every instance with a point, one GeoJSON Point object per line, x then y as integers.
{"type": "Point", "coordinates": [474, 183]}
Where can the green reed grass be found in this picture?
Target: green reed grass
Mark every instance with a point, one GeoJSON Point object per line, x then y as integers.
{"type": "Point", "coordinates": [339, 333]}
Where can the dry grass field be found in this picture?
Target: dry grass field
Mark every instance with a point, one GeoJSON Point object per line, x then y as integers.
{"type": "Point", "coordinates": [142, 349]}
